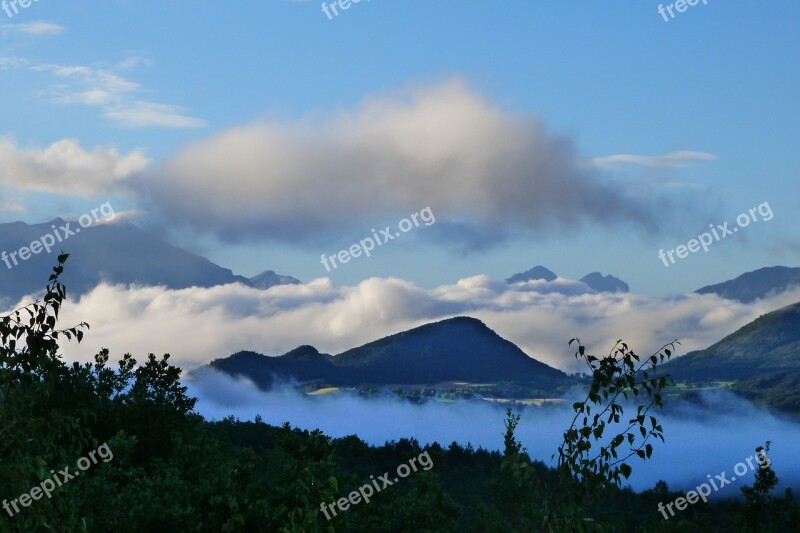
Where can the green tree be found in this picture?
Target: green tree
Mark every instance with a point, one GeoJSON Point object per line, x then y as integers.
{"type": "Point", "coordinates": [302, 478]}
{"type": "Point", "coordinates": [515, 490]}
{"type": "Point", "coordinates": [38, 430]}
{"type": "Point", "coordinates": [591, 460]}
{"type": "Point", "coordinates": [762, 511]}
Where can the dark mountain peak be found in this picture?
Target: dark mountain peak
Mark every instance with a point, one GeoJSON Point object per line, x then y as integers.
{"type": "Point", "coordinates": [459, 325]}
{"type": "Point", "coordinates": [242, 356]}
{"type": "Point", "coordinates": [304, 352]}
{"type": "Point", "coordinates": [537, 272]}
{"type": "Point", "coordinates": [269, 278]}
{"type": "Point", "coordinates": [601, 283]}
{"type": "Point", "coordinates": [305, 349]}
{"type": "Point", "coordinates": [456, 349]}
{"type": "Point", "coordinates": [456, 321]}
{"type": "Point", "coordinates": [755, 285]}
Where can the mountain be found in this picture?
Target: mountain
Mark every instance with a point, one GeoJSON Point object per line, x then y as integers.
{"type": "Point", "coordinates": [537, 272]}
{"type": "Point", "coordinates": [779, 390]}
{"type": "Point", "coordinates": [304, 364]}
{"type": "Point", "coordinates": [601, 283]}
{"type": "Point", "coordinates": [457, 349]}
{"type": "Point", "coordinates": [115, 252]}
{"type": "Point", "coordinates": [269, 278]}
{"type": "Point", "coordinates": [754, 285]}
{"type": "Point", "coordinates": [768, 345]}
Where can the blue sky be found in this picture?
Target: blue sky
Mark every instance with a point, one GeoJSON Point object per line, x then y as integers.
{"type": "Point", "coordinates": [152, 78]}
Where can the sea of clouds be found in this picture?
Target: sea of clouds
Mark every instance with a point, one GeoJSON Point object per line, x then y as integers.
{"type": "Point", "coordinates": [698, 440]}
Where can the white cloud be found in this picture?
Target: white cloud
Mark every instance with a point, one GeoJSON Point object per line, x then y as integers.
{"type": "Point", "coordinates": [65, 167]}
{"type": "Point", "coordinates": [197, 325]}
{"type": "Point", "coordinates": [674, 159]}
{"type": "Point", "coordinates": [38, 27]}
{"type": "Point", "coordinates": [141, 114]}
{"type": "Point", "coordinates": [442, 146]}
{"type": "Point", "coordinates": [116, 96]}
{"type": "Point", "coordinates": [12, 63]}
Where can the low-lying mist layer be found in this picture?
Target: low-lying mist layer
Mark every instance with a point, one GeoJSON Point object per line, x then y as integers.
{"type": "Point", "coordinates": [699, 440]}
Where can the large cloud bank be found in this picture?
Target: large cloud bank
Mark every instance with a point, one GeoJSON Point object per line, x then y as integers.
{"type": "Point", "coordinates": [485, 171]}
{"type": "Point", "coordinates": [65, 167]}
{"type": "Point", "coordinates": [197, 325]}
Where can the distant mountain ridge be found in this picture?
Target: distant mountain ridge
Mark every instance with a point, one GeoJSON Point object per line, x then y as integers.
{"type": "Point", "coordinates": [269, 278]}
{"type": "Point", "coordinates": [595, 281]}
{"type": "Point", "coordinates": [117, 252]}
{"type": "Point", "coordinates": [755, 285]}
{"type": "Point", "coordinates": [537, 272]}
{"type": "Point", "coordinates": [601, 283]}
{"type": "Point", "coordinates": [457, 349]}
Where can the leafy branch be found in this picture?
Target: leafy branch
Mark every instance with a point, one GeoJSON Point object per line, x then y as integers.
{"type": "Point", "coordinates": [621, 373]}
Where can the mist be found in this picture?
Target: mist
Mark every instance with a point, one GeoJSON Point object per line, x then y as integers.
{"type": "Point", "coordinates": [699, 441]}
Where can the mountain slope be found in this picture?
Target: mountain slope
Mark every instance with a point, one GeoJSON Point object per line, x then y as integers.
{"type": "Point", "coordinates": [114, 252]}
{"type": "Point", "coordinates": [767, 345]}
{"type": "Point", "coordinates": [757, 284]}
{"type": "Point", "coordinates": [457, 349]}
{"type": "Point", "coordinates": [780, 390]}
{"type": "Point", "coordinates": [118, 253]}
{"type": "Point", "coordinates": [303, 364]}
